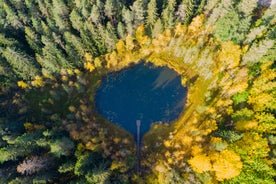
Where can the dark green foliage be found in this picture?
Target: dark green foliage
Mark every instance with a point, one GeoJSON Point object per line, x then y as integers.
{"type": "Point", "coordinates": [62, 147]}
{"type": "Point", "coordinates": [67, 167]}
{"type": "Point", "coordinates": [85, 162]}
{"type": "Point", "coordinates": [99, 174]}
{"type": "Point", "coordinates": [229, 135]}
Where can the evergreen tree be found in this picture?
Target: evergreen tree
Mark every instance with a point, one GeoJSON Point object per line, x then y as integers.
{"type": "Point", "coordinates": [95, 15]}
{"type": "Point", "coordinates": [76, 20]}
{"type": "Point", "coordinates": [23, 65]}
{"type": "Point", "coordinates": [232, 27]}
{"type": "Point", "coordinates": [158, 28]}
{"type": "Point", "coordinates": [257, 51]}
{"type": "Point", "coordinates": [152, 14]}
{"type": "Point", "coordinates": [168, 14]}
{"type": "Point", "coordinates": [185, 11]}
{"type": "Point", "coordinates": [60, 14]}
{"type": "Point", "coordinates": [128, 18]}
{"type": "Point", "coordinates": [138, 9]}
{"type": "Point", "coordinates": [11, 17]}
{"type": "Point", "coordinates": [33, 39]}
{"type": "Point", "coordinates": [121, 30]}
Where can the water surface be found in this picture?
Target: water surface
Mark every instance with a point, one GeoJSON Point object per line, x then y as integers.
{"type": "Point", "coordinates": [145, 92]}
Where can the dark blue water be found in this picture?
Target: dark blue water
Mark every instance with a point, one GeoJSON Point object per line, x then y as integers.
{"type": "Point", "coordinates": [143, 92]}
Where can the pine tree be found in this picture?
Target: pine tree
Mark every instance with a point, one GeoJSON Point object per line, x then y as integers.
{"type": "Point", "coordinates": [110, 10]}
{"type": "Point", "coordinates": [32, 165]}
{"type": "Point", "coordinates": [121, 30]}
{"type": "Point", "coordinates": [76, 20]}
{"type": "Point", "coordinates": [257, 51]}
{"type": "Point", "coordinates": [168, 15]}
{"type": "Point", "coordinates": [95, 15]}
{"type": "Point", "coordinates": [138, 10]}
{"type": "Point", "coordinates": [11, 17]}
{"type": "Point", "coordinates": [60, 14]}
{"type": "Point", "coordinates": [246, 7]}
{"type": "Point", "coordinates": [152, 14]}
{"type": "Point", "coordinates": [33, 39]}
{"type": "Point", "coordinates": [23, 65]}
{"type": "Point", "coordinates": [185, 11]}
{"type": "Point", "coordinates": [158, 28]}
{"type": "Point", "coordinates": [128, 18]}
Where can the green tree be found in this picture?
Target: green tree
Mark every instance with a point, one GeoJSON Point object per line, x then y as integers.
{"type": "Point", "coordinates": [168, 14]}
{"type": "Point", "coordinates": [246, 7]}
{"type": "Point", "coordinates": [11, 17]}
{"type": "Point", "coordinates": [257, 51]}
{"type": "Point", "coordinates": [128, 18]}
{"type": "Point", "coordinates": [99, 174]}
{"type": "Point", "coordinates": [61, 147]}
{"type": "Point", "coordinates": [23, 65]}
{"type": "Point", "coordinates": [60, 13]}
{"type": "Point", "coordinates": [232, 27]}
{"type": "Point", "coordinates": [121, 30]}
{"type": "Point", "coordinates": [76, 20]}
{"type": "Point", "coordinates": [33, 39]}
{"type": "Point", "coordinates": [152, 14]}
{"type": "Point", "coordinates": [185, 11]}
{"type": "Point", "coordinates": [138, 9]}
{"type": "Point", "coordinates": [158, 28]}
{"type": "Point", "coordinates": [95, 15]}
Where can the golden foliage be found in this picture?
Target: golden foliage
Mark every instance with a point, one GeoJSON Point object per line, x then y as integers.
{"type": "Point", "coordinates": [120, 46]}
{"type": "Point", "coordinates": [200, 163]}
{"type": "Point", "coordinates": [226, 164]}
{"type": "Point", "coordinates": [38, 82]}
{"type": "Point", "coordinates": [246, 125]}
{"type": "Point", "coordinates": [180, 29]}
{"type": "Point", "coordinates": [167, 143]}
{"type": "Point", "coordinates": [196, 23]}
{"type": "Point", "coordinates": [253, 145]}
{"type": "Point", "coordinates": [129, 43]}
{"type": "Point", "coordinates": [140, 35]}
{"type": "Point", "coordinates": [70, 72]}
{"type": "Point", "coordinates": [196, 150]}
{"type": "Point", "coordinates": [89, 66]}
{"type": "Point", "coordinates": [72, 108]}
{"type": "Point", "coordinates": [32, 127]}
{"type": "Point", "coordinates": [64, 78]}
{"type": "Point", "coordinates": [229, 55]}
{"type": "Point", "coordinates": [88, 57]}
{"type": "Point", "coordinates": [22, 84]}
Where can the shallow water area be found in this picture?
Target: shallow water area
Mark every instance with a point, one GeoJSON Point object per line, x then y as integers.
{"type": "Point", "coordinates": [142, 92]}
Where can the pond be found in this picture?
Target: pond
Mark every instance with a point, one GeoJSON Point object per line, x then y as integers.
{"type": "Point", "coordinates": [142, 92]}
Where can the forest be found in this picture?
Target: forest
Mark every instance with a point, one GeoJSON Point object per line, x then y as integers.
{"type": "Point", "coordinates": [54, 54]}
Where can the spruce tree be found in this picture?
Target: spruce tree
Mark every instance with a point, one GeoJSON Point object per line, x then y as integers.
{"type": "Point", "coordinates": [168, 14]}
{"type": "Point", "coordinates": [152, 14]}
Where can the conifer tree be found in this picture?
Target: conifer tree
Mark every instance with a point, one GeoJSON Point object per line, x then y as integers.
{"type": "Point", "coordinates": [138, 9]}
{"type": "Point", "coordinates": [158, 28]}
{"type": "Point", "coordinates": [23, 65]}
{"type": "Point", "coordinates": [128, 18]}
{"type": "Point", "coordinates": [168, 14]}
{"type": "Point", "coordinates": [152, 14]}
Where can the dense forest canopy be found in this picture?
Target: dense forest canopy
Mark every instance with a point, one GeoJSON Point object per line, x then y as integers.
{"type": "Point", "coordinates": [54, 54]}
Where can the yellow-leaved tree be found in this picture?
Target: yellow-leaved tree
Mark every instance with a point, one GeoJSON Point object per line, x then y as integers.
{"type": "Point", "coordinates": [229, 56]}
{"type": "Point", "coordinates": [226, 164]}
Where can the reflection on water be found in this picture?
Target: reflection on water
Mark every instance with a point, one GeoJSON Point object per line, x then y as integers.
{"type": "Point", "coordinates": [143, 92]}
